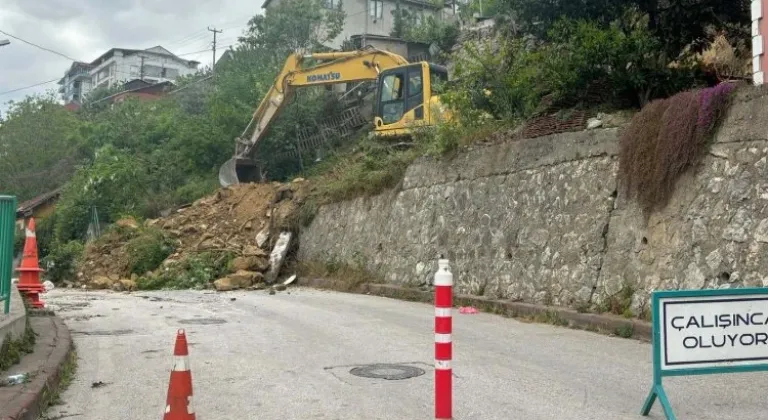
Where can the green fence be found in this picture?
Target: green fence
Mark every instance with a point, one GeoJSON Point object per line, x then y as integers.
{"type": "Point", "coordinates": [7, 229]}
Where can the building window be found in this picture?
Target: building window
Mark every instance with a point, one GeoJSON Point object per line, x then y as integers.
{"type": "Point", "coordinates": [418, 18]}
{"type": "Point", "coordinates": [376, 8]}
{"type": "Point", "coordinates": [134, 71]}
{"type": "Point", "coordinates": [331, 4]}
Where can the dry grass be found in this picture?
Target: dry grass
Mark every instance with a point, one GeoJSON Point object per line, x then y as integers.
{"type": "Point", "coordinates": [667, 138]}
{"type": "Point", "coordinates": [346, 277]}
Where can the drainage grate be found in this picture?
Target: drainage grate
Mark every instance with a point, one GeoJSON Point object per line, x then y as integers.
{"type": "Point", "coordinates": [387, 371]}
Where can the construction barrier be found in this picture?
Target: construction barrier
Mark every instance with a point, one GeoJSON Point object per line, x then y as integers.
{"type": "Point", "coordinates": [7, 227]}
{"type": "Point", "coordinates": [443, 345]}
{"type": "Point", "coordinates": [29, 269]}
{"type": "Point", "coordinates": [178, 405]}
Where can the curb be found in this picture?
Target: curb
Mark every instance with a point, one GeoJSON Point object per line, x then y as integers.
{"type": "Point", "coordinates": [46, 383]}
{"type": "Point", "coordinates": [611, 324]}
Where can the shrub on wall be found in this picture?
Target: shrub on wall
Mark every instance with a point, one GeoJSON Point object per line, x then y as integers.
{"type": "Point", "coordinates": [667, 138]}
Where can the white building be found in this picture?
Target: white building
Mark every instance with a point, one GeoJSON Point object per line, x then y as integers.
{"type": "Point", "coordinates": [76, 82]}
{"type": "Point", "coordinates": [120, 65]}
{"type": "Point", "coordinates": [376, 18]}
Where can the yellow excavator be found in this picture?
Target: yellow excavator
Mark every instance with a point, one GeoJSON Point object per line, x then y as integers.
{"type": "Point", "coordinates": [404, 97]}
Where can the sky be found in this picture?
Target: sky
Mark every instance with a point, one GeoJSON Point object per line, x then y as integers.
{"type": "Point", "coordinates": [85, 29]}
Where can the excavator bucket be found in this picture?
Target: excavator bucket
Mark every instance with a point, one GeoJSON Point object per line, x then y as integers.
{"type": "Point", "coordinates": [228, 173]}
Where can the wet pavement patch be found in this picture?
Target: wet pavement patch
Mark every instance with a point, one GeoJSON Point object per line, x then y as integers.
{"type": "Point", "coordinates": [203, 321]}
{"type": "Point", "coordinates": [104, 333]}
{"type": "Point", "coordinates": [65, 307]}
{"type": "Point", "coordinates": [388, 372]}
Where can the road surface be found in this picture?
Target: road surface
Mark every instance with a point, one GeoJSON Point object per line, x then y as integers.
{"type": "Point", "coordinates": [288, 356]}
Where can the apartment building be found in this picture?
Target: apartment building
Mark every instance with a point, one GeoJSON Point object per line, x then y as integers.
{"type": "Point", "coordinates": [374, 19]}
{"type": "Point", "coordinates": [76, 82]}
{"type": "Point", "coordinates": [120, 65]}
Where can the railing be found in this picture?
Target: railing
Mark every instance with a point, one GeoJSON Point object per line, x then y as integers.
{"type": "Point", "coordinates": [7, 229]}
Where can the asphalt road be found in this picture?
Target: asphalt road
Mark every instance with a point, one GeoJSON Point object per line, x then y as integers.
{"type": "Point", "coordinates": [288, 356]}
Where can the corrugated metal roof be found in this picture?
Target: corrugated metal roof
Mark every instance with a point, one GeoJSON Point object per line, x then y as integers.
{"type": "Point", "coordinates": [26, 208]}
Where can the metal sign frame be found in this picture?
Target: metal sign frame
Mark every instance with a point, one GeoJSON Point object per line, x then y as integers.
{"type": "Point", "coordinates": [7, 232]}
{"type": "Point", "coordinates": [659, 371]}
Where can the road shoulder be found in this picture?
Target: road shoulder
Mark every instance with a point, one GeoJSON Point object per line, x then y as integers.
{"type": "Point", "coordinates": [51, 360]}
{"type": "Point", "coordinates": [565, 317]}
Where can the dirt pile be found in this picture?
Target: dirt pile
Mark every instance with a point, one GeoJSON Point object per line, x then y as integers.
{"type": "Point", "coordinates": [235, 228]}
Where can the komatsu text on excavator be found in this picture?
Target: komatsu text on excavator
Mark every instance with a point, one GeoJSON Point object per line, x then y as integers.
{"type": "Point", "coordinates": [404, 97]}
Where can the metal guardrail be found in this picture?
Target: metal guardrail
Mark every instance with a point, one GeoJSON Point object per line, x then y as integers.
{"type": "Point", "coordinates": [7, 230]}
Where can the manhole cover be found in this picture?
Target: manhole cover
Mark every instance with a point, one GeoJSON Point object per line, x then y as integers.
{"type": "Point", "coordinates": [388, 372]}
{"type": "Point", "coordinates": [203, 321]}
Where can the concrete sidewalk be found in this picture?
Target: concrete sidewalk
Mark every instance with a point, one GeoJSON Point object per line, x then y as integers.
{"type": "Point", "coordinates": [52, 349]}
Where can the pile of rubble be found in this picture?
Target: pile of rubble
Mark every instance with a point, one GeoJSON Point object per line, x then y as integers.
{"type": "Point", "coordinates": [250, 221]}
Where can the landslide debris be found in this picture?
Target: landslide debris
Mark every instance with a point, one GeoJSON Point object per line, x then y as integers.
{"type": "Point", "coordinates": [224, 241]}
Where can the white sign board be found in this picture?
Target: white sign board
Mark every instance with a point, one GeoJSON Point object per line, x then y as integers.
{"type": "Point", "coordinates": [713, 331]}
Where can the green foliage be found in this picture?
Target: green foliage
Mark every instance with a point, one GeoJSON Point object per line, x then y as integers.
{"type": "Point", "coordinates": [96, 100]}
{"type": "Point", "coordinates": [60, 261]}
{"type": "Point", "coordinates": [414, 26]}
{"type": "Point", "coordinates": [369, 170]}
{"type": "Point", "coordinates": [12, 349]}
{"type": "Point", "coordinates": [147, 250]}
{"type": "Point", "coordinates": [676, 22]}
{"type": "Point", "coordinates": [583, 62]}
{"type": "Point", "coordinates": [42, 142]}
{"type": "Point", "coordinates": [625, 331]}
{"type": "Point", "coordinates": [497, 77]}
{"type": "Point", "coordinates": [111, 184]}
{"type": "Point", "coordinates": [18, 241]}
{"type": "Point", "coordinates": [294, 25]}
{"type": "Point", "coordinates": [623, 54]}
{"type": "Point", "coordinates": [195, 271]}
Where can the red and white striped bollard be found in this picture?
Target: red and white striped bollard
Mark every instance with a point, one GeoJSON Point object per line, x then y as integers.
{"type": "Point", "coordinates": [443, 347]}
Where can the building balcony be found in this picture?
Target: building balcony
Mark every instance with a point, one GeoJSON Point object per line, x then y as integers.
{"type": "Point", "coordinates": [79, 75]}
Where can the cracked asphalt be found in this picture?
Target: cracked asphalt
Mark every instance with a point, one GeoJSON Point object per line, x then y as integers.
{"type": "Point", "coordinates": [288, 356]}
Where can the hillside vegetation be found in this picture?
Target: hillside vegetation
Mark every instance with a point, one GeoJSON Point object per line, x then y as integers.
{"type": "Point", "coordinates": [141, 158]}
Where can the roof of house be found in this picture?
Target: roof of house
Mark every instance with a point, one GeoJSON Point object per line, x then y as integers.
{"type": "Point", "coordinates": [155, 50]}
{"type": "Point", "coordinates": [140, 86]}
{"type": "Point", "coordinates": [28, 207]}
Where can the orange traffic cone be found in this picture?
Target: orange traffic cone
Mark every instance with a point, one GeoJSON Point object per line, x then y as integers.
{"type": "Point", "coordinates": [178, 406]}
{"type": "Point", "coordinates": [29, 270]}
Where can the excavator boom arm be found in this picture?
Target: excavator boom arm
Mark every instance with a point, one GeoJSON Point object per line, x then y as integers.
{"type": "Point", "coordinates": [333, 68]}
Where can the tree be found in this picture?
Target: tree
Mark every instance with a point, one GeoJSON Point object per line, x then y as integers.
{"type": "Point", "coordinates": [41, 142]}
{"type": "Point", "coordinates": [676, 22]}
{"type": "Point", "coordinates": [294, 26]}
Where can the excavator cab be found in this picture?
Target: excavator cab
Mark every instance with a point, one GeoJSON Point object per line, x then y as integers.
{"type": "Point", "coordinates": [407, 97]}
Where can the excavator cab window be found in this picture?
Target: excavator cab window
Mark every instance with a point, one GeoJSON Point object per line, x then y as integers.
{"type": "Point", "coordinates": [401, 90]}
{"type": "Point", "coordinates": [391, 104]}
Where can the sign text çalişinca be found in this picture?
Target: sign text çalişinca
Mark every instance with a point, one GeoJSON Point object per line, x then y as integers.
{"type": "Point", "coordinates": [714, 331]}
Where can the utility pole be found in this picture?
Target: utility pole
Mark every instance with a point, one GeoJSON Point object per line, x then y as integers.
{"type": "Point", "coordinates": [141, 69]}
{"type": "Point", "coordinates": [367, 16]}
{"type": "Point", "coordinates": [213, 66]}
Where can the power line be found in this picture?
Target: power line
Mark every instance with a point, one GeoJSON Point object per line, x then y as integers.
{"type": "Point", "coordinates": [38, 46]}
{"type": "Point", "coordinates": [193, 34]}
{"type": "Point", "coordinates": [29, 87]}
{"type": "Point", "coordinates": [202, 51]}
